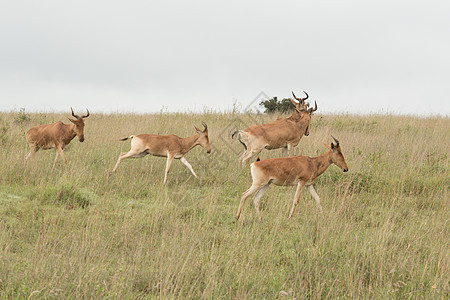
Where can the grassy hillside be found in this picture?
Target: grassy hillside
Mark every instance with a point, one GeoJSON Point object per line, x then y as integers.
{"type": "Point", "coordinates": [77, 233]}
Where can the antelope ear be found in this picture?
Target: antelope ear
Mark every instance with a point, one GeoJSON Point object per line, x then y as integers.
{"type": "Point", "coordinates": [332, 147]}
{"type": "Point", "coordinates": [71, 120]}
{"type": "Point", "coordinates": [198, 130]}
{"type": "Point", "coordinates": [328, 146]}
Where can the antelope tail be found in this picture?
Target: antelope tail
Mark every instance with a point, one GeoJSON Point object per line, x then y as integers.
{"type": "Point", "coordinates": [130, 137]}
{"type": "Point", "coordinates": [238, 133]}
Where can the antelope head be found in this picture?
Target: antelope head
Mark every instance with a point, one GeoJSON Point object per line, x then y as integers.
{"type": "Point", "coordinates": [336, 155]}
{"type": "Point", "coordinates": [310, 111]}
{"type": "Point", "coordinates": [306, 113]}
{"type": "Point", "coordinates": [301, 102]}
{"type": "Point", "coordinates": [203, 139]}
{"type": "Point", "coordinates": [79, 124]}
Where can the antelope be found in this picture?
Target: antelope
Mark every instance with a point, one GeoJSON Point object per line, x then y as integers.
{"type": "Point", "coordinates": [283, 133]}
{"type": "Point", "coordinates": [298, 170]}
{"type": "Point", "coordinates": [56, 135]}
{"type": "Point", "coordinates": [170, 146]}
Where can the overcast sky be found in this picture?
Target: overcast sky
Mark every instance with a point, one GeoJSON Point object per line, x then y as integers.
{"type": "Point", "coordinates": [139, 56]}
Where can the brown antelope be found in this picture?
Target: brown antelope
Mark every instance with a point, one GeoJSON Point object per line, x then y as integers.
{"type": "Point", "coordinates": [170, 146]}
{"type": "Point", "coordinates": [283, 133]}
{"type": "Point", "coordinates": [56, 135]}
{"type": "Point", "coordinates": [297, 170]}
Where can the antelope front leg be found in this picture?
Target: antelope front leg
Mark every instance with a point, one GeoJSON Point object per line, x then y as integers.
{"type": "Point", "coordinates": [290, 149]}
{"type": "Point", "coordinates": [168, 164]}
{"type": "Point", "coordinates": [316, 197]}
{"type": "Point", "coordinates": [185, 162]}
{"type": "Point", "coordinates": [284, 151]}
{"type": "Point", "coordinates": [296, 198]}
{"type": "Point", "coordinates": [59, 151]}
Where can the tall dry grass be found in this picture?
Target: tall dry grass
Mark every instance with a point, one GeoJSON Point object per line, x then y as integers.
{"type": "Point", "coordinates": [77, 233]}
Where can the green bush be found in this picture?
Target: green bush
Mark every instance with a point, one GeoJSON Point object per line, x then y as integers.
{"type": "Point", "coordinates": [274, 105]}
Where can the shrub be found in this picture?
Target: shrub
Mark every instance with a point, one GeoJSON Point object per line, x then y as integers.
{"type": "Point", "coordinates": [22, 117]}
{"type": "Point", "coordinates": [275, 105]}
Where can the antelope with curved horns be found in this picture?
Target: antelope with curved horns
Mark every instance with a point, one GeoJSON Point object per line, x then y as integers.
{"type": "Point", "coordinates": [170, 146]}
{"type": "Point", "coordinates": [302, 100]}
{"type": "Point", "coordinates": [283, 133]}
{"type": "Point", "coordinates": [298, 170]}
{"type": "Point", "coordinates": [56, 135]}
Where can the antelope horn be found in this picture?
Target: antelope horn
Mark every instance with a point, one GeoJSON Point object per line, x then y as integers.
{"type": "Point", "coordinates": [73, 114]}
{"type": "Point", "coordinates": [298, 99]}
{"type": "Point", "coordinates": [301, 99]}
{"type": "Point", "coordinates": [313, 109]}
{"type": "Point", "coordinates": [307, 96]}
{"type": "Point", "coordinates": [335, 140]}
{"type": "Point", "coordinates": [204, 125]}
{"type": "Point", "coordinates": [86, 115]}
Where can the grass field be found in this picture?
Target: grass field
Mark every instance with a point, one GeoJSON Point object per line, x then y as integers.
{"type": "Point", "coordinates": [77, 233]}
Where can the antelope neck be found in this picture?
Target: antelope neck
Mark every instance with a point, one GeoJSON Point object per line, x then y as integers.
{"type": "Point", "coordinates": [323, 162]}
{"type": "Point", "coordinates": [71, 130]}
{"type": "Point", "coordinates": [297, 116]}
{"type": "Point", "coordinates": [189, 142]}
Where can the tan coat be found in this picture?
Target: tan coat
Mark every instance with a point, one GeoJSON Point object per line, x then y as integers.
{"type": "Point", "coordinates": [299, 170]}
{"type": "Point", "coordinates": [56, 135]}
{"type": "Point", "coordinates": [170, 146]}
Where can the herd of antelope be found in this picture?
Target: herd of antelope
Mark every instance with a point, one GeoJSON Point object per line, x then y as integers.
{"type": "Point", "coordinates": [282, 133]}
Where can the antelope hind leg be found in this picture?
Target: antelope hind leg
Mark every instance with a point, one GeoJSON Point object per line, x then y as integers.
{"type": "Point", "coordinates": [132, 153]}
{"type": "Point", "coordinates": [30, 155]}
{"type": "Point", "coordinates": [257, 198]}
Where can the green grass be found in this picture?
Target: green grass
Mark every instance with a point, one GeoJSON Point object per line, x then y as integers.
{"type": "Point", "coordinates": [77, 233]}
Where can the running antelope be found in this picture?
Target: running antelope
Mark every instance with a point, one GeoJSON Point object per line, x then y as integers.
{"type": "Point", "coordinates": [170, 146]}
{"type": "Point", "coordinates": [283, 133]}
{"type": "Point", "coordinates": [56, 135]}
{"type": "Point", "coordinates": [297, 170]}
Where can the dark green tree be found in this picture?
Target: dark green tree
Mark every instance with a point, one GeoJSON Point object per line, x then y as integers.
{"type": "Point", "coordinates": [275, 105]}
